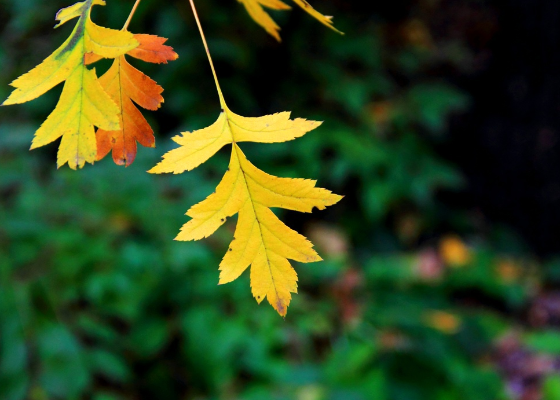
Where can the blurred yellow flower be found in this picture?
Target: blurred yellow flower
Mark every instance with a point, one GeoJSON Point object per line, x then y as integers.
{"type": "Point", "coordinates": [454, 252]}
{"type": "Point", "coordinates": [442, 321]}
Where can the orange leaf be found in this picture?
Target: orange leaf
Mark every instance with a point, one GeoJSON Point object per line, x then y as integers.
{"type": "Point", "coordinates": [125, 84]}
{"type": "Point", "coordinates": [153, 50]}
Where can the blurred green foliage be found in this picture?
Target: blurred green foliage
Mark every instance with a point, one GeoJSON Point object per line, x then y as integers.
{"type": "Point", "coordinates": [97, 301]}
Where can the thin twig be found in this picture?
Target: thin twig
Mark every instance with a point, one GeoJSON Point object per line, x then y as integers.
{"type": "Point", "coordinates": [125, 27]}
{"type": "Point", "coordinates": [222, 101]}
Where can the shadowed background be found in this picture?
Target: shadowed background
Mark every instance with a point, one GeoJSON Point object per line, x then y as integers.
{"type": "Point", "coordinates": [440, 279]}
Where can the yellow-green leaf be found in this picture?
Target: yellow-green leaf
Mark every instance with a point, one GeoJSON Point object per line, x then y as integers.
{"type": "Point", "coordinates": [74, 11]}
{"type": "Point", "coordinates": [67, 64]}
{"type": "Point", "coordinates": [83, 104]}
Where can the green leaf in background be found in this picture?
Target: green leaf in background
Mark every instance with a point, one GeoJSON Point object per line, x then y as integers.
{"type": "Point", "coordinates": [544, 342]}
{"type": "Point", "coordinates": [551, 388]}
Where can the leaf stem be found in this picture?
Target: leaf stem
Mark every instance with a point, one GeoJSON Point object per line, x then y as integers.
{"type": "Point", "coordinates": [125, 27]}
{"type": "Point", "coordinates": [222, 101]}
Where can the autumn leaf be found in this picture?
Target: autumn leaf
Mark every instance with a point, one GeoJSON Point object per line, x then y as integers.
{"type": "Point", "coordinates": [324, 19]}
{"type": "Point", "coordinates": [256, 9]}
{"type": "Point", "coordinates": [126, 84]}
{"type": "Point", "coordinates": [83, 103]}
{"type": "Point", "coordinates": [261, 241]}
{"type": "Point", "coordinates": [261, 17]}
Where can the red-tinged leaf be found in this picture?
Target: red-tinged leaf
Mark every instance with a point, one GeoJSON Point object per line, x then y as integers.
{"type": "Point", "coordinates": [153, 50]}
{"type": "Point", "coordinates": [83, 103]}
{"type": "Point", "coordinates": [126, 85]}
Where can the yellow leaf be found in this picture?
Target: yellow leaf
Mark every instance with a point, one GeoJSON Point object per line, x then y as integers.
{"type": "Point", "coordinates": [256, 10]}
{"type": "Point", "coordinates": [324, 19]}
{"type": "Point", "coordinates": [199, 146]}
{"type": "Point", "coordinates": [261, 241]}
{"type": "Point", "coordinates": [67, 64]}
{"type": "Point", "coordinates": [261, 17]}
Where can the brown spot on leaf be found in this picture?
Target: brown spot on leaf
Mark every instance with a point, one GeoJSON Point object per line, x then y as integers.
{"type": "Point", "coordinates": [280, 307]}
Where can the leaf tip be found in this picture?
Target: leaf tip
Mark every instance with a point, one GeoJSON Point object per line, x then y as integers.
{"type": "Point", "coordinates": [281, 308]}
{"type": "Point", "coordinates": [336, 198]}
{"type": "Point", "coordinates": [34, 145]}
{"type": "Point", "coordinates": [7, 102]}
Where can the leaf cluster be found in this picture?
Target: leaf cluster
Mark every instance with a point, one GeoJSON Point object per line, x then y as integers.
{"type": "Point", "coordinates": [263, 241]}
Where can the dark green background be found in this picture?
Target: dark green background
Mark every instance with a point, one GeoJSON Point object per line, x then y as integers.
{"type": "Point", "coordinates": [98, 302]}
